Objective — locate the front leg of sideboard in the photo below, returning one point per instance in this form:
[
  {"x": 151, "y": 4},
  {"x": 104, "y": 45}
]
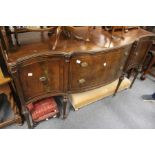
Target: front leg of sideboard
[
  {"x": 65, "y": 103},
  {"x": 138, "y": 70},
  {"x": 119, "y": 83},
  {"x": 27, "y": 117}
]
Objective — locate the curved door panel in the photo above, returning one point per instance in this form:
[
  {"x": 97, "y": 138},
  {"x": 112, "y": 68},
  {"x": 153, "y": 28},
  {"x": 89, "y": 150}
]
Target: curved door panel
[
  {"x": 40, "y": 76},
  {"x": 92, "y": 70}
]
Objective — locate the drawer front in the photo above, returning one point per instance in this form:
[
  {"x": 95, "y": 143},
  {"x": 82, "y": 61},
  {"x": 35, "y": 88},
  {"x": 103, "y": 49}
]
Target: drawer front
[
  {"x": 138, "y": 53},
  {"x": 88, "y": 71},
  {"x": 41, "y": 76}
]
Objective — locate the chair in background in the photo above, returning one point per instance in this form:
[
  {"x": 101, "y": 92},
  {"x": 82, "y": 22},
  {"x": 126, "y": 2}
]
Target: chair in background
[
  {"x": 67, "y": 31},
  {"x": 7, "y": 96}
]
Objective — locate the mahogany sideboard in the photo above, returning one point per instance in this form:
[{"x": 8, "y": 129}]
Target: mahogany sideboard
[{"x": 74, "y": 66}]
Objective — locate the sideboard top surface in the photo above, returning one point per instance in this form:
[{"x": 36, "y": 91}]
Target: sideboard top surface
[{"x": 100, "y": 40}]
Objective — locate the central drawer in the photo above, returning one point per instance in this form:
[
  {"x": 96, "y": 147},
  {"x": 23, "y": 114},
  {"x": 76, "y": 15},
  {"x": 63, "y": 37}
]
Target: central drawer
[{"x": 92, "y": 70}]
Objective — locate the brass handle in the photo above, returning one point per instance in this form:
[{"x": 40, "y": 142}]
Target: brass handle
[
  {"x": 84, "y": 64},
  {"x": 104, "y": 64},
  {"x": 126, "y": 53},
  {"x": 81, "y": 81},
  {"x": 42, "y": 79}
]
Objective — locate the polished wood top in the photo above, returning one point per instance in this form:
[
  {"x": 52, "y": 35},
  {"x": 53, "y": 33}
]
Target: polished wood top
[{"x": 38, "y": 42}]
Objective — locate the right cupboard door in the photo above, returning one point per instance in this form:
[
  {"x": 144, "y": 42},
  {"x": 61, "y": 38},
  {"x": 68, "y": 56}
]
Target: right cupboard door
[{"x": 88, "y": 71}]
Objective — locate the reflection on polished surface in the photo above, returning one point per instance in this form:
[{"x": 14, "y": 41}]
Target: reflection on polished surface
[{"x": 100, "y": 39}]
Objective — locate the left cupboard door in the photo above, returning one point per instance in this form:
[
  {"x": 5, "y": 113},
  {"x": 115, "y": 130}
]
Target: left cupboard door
[{"x": 39, "y": 76}]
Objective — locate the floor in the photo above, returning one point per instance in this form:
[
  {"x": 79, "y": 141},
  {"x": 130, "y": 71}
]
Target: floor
[{"x": 124, "y": 111}]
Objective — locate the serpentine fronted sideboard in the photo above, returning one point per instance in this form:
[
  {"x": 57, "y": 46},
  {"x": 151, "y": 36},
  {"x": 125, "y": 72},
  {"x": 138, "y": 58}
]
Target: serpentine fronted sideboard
[{"x": 75, "y": 66}]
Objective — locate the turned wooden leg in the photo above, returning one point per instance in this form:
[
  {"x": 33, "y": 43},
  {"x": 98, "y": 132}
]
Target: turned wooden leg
[
  {"x": 26, "y": 114},
  {"x": 135, "y": 76},
  {"x": 8, "y": 38},
  {"x": 16, "y": 35},
  {"x": 112, "y": 33},
  {"x": 119, "y": 83},
  {"x": 88, "y": 33},
  {"x": 65, "y": 101},
  {"x": 122, "y": 33},
  {"x": 58, "y": 32}
]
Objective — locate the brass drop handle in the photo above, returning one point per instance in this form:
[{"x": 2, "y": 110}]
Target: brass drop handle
[
  {"x": 84, "y": 64},
  {"x": 81, "y": 81},
  {"x": 42, "y": 79}
]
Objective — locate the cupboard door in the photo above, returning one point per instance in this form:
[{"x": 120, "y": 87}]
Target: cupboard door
[
  {"x": 39, "y": 76},
  {"x": 92, "y": 70}
]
